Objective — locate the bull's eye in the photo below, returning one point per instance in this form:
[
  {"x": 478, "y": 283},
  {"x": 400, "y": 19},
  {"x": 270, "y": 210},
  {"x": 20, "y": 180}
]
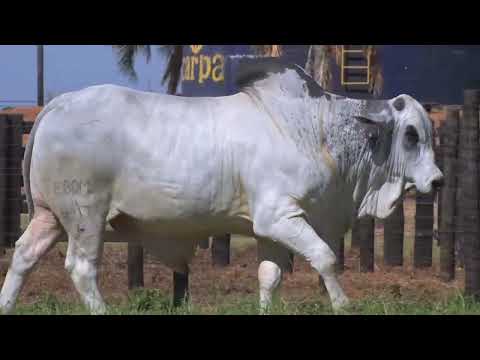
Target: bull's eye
[{"x": 411, "y": 135}]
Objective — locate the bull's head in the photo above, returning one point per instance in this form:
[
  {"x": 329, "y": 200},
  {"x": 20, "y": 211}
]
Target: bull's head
[{"x": 401, "y": 155}]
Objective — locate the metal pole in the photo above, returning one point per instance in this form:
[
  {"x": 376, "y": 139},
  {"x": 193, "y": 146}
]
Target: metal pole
[{"x": 40, "y": 78}]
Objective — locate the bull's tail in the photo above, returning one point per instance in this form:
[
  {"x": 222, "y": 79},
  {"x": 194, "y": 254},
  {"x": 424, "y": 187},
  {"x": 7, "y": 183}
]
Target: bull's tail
[{"x": 27, "y": 159}]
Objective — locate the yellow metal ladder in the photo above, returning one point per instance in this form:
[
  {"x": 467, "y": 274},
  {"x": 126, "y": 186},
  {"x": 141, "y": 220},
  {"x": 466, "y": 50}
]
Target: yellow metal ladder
[{"x": 345, "y": 67}]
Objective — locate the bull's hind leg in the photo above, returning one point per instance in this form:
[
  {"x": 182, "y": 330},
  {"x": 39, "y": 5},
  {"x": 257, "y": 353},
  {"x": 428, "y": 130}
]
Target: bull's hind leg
[
  {"x": 85, "y": 247},
  {"x": 41, "y": 234}
]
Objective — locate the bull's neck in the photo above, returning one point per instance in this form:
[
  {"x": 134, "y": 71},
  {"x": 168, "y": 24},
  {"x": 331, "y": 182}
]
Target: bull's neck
[
  {"x": 325, "y": 130},
  {"x": 296, "y": 118},
  {"x": 348, "y": 142}
]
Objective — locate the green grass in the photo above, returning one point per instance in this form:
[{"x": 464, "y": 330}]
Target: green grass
[{"x": 153, "y": 302}]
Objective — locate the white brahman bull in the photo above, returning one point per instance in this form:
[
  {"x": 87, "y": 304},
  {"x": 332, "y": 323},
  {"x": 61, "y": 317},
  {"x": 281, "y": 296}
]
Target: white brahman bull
[{"x": 281, "y": 160}]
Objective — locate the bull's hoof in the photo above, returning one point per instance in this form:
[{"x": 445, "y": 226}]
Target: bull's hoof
[
  {"x": 264, "y": 309},
  {"x": 340, "y": 304},
  {"x": 99, "y": 308},
  {"x": 6, "y": 309},
  {"x": 102, "y": 311}
]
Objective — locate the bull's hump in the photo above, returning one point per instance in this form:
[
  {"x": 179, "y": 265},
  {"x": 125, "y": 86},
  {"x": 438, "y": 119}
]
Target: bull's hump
[{"x": 249, "y": 74}]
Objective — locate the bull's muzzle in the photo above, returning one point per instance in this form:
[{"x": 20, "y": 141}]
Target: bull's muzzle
[{"x": 437, "y": 183}]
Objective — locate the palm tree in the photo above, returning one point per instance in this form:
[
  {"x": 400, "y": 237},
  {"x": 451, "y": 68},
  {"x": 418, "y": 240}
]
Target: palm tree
[{"x": 126, "y": 61}]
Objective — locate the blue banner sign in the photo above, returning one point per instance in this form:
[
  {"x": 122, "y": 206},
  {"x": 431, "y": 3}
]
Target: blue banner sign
[{"x": 430, "y": 73}]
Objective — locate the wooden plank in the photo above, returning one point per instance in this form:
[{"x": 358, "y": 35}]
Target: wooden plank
[
  {"x": 449, "y": 142},
  {"x": 289, "y": 268},
  {"x": 14, "y": 179},
  {"x": 221, "y": 250},
  {"x": 423, "y": 247},
  {"x": 339, "y": 250},
  {"x": 366, "y": 231},
  {"x": 180, "y": 288},
  {"x": 467, "y": 223},
  {"x": 355, "y": 242},
  {"x": 135, "y": 266},
  {"x": 394, "y": 237},
  {"x": 204, "y": 243}
]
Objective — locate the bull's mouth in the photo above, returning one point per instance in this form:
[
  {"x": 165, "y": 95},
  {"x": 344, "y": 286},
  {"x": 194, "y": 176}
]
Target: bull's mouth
[{"x": 407, "y": 188}]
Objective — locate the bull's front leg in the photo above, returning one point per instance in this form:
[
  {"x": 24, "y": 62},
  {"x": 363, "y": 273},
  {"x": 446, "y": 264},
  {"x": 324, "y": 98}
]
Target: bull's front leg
[{"x": 286, "y": 224}]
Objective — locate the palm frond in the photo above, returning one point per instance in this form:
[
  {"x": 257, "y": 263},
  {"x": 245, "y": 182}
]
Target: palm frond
[
  {"x": 126, "y": 55},
  {"x": 268, "y": 50},
  {"x": 173, "y": 71}
]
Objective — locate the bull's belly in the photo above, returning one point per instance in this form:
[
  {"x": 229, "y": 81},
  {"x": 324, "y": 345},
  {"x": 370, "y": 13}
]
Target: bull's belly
[
  {"x": 179, "y": 210},
  {"x": 173, "y": 242},
  {"x": 195, "y": 228}
]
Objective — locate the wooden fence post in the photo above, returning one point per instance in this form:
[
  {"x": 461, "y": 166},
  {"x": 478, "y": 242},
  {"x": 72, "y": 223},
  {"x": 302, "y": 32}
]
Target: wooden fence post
[
  {"x": 14, "y": 176},
  {"x": 355, "y": 237},
  {"x": 221, "y": 250},
  {"x": 393, "y": 237},
  {"x": 438, "y": 149},
  {"x": 180, "y": 288},
  {"x": 468, "y": 192},
  {"x": 449, "y": 143},
  {"x": 204, "y": 243},
  {"x": 366, "y": 232},
  {"x": 339, "y": 250},
  {"x": 289, "y": 268},
  {"x": 423, "y": 248},
  {"x": 135, "y": 266}
]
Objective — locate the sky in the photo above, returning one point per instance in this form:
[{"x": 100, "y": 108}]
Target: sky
[{"x": 68, "y": 68}]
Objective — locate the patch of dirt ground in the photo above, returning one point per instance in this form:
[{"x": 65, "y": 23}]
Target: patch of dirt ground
[{"x": 209, "y": 285}]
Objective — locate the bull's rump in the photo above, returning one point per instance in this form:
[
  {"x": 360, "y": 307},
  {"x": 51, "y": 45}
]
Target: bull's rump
[{"x": 158, "y": 158}]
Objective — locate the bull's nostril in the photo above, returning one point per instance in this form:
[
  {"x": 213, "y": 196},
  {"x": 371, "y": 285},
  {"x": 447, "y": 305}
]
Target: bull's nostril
[{"x": 437, "y": 183}]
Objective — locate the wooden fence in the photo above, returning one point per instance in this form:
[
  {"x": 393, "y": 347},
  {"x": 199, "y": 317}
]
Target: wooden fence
[{"x": 457, "y": 154}]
